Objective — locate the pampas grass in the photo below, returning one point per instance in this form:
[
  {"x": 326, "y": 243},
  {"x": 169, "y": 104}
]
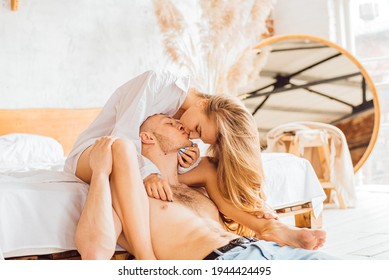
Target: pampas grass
[{"x": 218, "y": 51}]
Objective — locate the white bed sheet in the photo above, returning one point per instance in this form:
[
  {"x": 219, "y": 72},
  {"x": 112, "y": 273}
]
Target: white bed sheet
[{"x": 39, "y": 209}]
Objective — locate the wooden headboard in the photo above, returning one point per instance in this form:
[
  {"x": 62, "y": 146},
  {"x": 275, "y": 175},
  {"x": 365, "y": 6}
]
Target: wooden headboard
[{"x": 64, "y": 125}]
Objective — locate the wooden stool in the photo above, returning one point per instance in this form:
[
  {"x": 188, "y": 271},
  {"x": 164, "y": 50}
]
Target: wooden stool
[
  {"x": 303, "y": 215},
  {"x": 323, "y": 151}
]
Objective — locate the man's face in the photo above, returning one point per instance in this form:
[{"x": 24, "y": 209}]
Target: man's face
[{"x": 169, "y": 133}]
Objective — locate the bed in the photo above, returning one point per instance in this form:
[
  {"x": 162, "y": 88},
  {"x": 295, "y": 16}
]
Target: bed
[{"x": 40, "y": 205}]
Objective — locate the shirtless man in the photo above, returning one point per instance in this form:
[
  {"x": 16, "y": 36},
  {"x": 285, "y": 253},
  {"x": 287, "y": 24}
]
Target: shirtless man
[{"x": 190, "y": 228}]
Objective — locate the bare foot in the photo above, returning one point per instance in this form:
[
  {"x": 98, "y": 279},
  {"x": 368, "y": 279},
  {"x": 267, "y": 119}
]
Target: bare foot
[{"x": 276, "y": 231}]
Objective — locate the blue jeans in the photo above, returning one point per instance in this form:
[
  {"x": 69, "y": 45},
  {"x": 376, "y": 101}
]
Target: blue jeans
[{"x": 264, "y": 250}]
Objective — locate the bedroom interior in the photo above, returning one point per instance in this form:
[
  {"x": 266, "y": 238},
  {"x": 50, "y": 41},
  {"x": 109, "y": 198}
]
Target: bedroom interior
[
  {"x": 308, "y": 79},
  {"x": 300, "y": 62}
]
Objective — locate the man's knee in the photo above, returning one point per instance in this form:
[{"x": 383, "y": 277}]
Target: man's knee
[{"x": 123, "y": 147}]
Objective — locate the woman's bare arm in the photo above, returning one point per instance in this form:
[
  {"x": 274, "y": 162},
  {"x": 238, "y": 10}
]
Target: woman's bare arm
[{"x": 205, "y": 175}]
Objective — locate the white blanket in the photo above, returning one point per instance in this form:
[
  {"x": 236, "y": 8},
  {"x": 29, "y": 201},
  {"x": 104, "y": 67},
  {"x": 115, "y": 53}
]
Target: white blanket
[{"x": 39, "y": 209}]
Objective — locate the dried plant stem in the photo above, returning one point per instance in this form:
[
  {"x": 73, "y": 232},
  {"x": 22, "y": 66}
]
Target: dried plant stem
[{"x": 220, "y": 55}]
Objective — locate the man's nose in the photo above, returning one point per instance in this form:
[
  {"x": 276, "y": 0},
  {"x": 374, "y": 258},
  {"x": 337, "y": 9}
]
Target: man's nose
[{"x": 180, "y": 126}]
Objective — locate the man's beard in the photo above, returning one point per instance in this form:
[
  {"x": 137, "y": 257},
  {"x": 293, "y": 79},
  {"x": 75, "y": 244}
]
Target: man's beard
[{"x": 168, "y": 145}]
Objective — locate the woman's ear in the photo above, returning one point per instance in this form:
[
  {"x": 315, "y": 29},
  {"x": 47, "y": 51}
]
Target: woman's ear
[{"x": 147, "y": 138}]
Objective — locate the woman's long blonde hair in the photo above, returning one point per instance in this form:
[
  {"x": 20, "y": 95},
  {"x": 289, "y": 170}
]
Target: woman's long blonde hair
[{"x": 237, "y": 153}]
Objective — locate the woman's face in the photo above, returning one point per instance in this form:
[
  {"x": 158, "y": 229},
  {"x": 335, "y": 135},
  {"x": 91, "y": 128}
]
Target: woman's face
[{"x": 198, "y": 125}]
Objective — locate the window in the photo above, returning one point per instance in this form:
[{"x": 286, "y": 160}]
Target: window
[{"x": 366, "y": 33}]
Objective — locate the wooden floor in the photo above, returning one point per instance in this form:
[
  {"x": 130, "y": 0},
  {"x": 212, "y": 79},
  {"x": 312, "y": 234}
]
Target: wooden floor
[{"x": 362, "y": 232}]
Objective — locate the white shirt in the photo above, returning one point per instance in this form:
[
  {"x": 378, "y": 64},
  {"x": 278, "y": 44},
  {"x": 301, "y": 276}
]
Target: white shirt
[{"x": 145, "y": 95}]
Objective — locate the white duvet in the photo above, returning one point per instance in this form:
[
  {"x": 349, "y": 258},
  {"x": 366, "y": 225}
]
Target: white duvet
[{"x": 39, "y": 209}]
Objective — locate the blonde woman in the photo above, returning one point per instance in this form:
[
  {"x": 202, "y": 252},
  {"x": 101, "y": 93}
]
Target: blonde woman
[
  {"x": 235, "y": 158},
  {"x": 220, "y": 121},
  {"x": 233, "y": 174}
]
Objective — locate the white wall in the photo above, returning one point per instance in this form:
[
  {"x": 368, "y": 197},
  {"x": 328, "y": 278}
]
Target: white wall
[
  {"x": 73, "y": 53},
  {"x": 311, "y": 17}
]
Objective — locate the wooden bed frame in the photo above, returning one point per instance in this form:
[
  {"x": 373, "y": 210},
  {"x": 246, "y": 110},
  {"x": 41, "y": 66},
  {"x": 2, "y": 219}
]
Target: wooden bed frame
[{"x": 65, "y": 125}]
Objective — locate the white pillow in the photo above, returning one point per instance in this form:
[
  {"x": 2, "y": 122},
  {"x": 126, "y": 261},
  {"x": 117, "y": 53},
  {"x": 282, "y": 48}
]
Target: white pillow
[{"x": 21, "y": 150}]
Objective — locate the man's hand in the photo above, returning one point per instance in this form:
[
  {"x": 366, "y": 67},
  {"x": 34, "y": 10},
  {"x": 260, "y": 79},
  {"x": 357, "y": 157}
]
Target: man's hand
[
  {"x": 158, "y": 188},
  {"x": 188, "y": 156},
  {"x": 100, "y": 159}
]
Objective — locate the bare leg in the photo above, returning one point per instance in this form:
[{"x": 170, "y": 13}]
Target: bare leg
[
  {"x": 99, "y": 226},
  {"x": 266, "y": 229},
  {"x": 95, "y": 236},
  {"x": 274, "y": 230},
  {"x": 129, "y": 198}
]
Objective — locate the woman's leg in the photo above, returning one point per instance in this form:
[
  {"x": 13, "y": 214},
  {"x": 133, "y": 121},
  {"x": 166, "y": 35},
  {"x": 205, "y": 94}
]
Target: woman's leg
[{"x": 129, "y": 198}]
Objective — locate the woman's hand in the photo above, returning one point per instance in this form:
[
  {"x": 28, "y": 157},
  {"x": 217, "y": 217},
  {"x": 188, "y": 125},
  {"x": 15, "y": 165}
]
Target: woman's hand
[
  {"x": 266, "y": 213},
  {"x": 188, "y": 156},
  {"x": 100, "y": 159},
  {"x": 158, "y": 188}
]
